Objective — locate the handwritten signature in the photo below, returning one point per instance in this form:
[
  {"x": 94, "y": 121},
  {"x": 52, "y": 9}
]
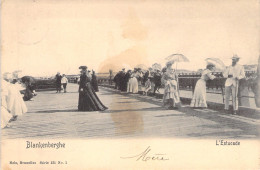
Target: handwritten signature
[{"x": 146, "y": 156}]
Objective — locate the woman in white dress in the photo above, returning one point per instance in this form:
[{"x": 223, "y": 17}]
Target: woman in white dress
[
  {"x": 129, "y": 83},
  {"x": 199, "y": 96},
  {"x": 133, "y": 83},
  {"x": 15, "y": 102},
  {"x": 5, "y": 115},
  {"x": 171, "y": 95}
]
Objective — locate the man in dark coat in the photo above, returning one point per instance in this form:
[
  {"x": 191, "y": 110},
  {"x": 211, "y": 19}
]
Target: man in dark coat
[
  {"x": 146, "y": 75},
  {"x": 122, "y": 80},
  {"x": 157, "y": 81},
  {"x": 94, "y": 82},
  {"x": 58, "y": 82},
  {"x": 126, "y": 79},
  {"x": 116, "y": 80}
]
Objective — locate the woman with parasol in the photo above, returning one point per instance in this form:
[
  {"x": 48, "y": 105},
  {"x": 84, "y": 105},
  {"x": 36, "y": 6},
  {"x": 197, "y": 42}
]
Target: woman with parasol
[
  {"x": 171, "y": 95},
  {"x": 88, "y": 99},
  {"x": 199, "y": 95},
  {"x": 177, "y": 58}
]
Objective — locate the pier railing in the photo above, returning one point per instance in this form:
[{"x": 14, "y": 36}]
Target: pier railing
[
  {"x": 216, "y": 86},
  {"x": 189, "y": 80}
]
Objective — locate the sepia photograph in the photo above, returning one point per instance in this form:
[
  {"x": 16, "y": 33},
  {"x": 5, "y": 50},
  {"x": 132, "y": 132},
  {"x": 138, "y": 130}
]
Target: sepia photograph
[{"x": 130, "y": 84}]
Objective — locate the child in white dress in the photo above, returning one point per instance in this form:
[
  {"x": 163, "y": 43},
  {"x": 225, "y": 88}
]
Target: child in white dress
[{"x": 148, "y": 86}]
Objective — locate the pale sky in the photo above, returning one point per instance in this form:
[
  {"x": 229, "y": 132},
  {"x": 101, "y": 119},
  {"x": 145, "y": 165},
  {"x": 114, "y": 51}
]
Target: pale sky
[{"x": 42, "y": 37}]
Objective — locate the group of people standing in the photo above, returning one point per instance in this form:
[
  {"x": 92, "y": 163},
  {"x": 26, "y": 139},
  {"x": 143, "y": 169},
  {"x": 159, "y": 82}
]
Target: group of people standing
[
  {"x": 130, "y": 80},
  {"x": 233, "y": 74},
  {"x": 12, "y": 102},
  {"x": 61, "y": 82}
]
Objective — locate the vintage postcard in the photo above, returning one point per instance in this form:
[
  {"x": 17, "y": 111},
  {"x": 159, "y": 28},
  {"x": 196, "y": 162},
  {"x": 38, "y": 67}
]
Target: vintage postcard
[{"x": 134, "y": 84}]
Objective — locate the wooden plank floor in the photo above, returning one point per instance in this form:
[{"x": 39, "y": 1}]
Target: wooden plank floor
[{"x": 55, "y": 116}]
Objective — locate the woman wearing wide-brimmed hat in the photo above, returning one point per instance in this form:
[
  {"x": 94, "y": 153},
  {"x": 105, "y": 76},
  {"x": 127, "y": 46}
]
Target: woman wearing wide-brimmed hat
[
  {"x": 199, "y": 95},
  {"x": 88, "y": 99},
  {"x": 171, "y": 95}
]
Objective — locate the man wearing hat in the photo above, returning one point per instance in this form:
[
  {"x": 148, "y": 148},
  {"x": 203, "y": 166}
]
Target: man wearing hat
[
  {"x": 233, "y": 73},
  {"x": 122, "y": 80},
  {"x": 157, "y": 81},
  {"x": 58, "y": 78},
  {"x": 116, "y": 80}
]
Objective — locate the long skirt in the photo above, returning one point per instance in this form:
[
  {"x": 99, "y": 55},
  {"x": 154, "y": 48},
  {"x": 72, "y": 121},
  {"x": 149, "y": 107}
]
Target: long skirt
[
  {"x": 15, "y": 102},
  {"x": 171, "y": 92},
  {"x": 199, "y": 96},
  {"x": 133, "y": 85},
  {"x": 5, "y": 117},
  {"x": 89, "y": 101},
  {"x": 95, "y": 85}
]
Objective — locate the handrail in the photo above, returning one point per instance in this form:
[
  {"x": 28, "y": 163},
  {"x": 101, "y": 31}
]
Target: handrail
[{"x": 188, "y": 83}]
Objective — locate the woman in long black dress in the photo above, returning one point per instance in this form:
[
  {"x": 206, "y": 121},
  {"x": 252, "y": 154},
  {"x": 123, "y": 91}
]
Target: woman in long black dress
[{"x": 88, "y": 100}]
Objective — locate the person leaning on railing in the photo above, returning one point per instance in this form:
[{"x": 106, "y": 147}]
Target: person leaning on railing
[{"x": 199, "y": 96}]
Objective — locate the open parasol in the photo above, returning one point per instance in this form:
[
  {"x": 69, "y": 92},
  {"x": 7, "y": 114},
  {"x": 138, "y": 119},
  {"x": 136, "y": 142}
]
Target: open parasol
[
  {"x": 177, "y": 58},
  {"x": 217, "y": 62}
]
